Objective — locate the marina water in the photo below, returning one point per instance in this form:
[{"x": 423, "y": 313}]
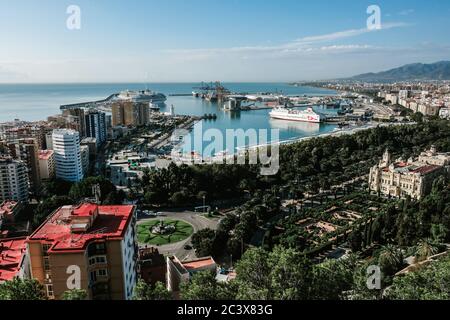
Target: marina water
[{"x": 37, "y": 101}]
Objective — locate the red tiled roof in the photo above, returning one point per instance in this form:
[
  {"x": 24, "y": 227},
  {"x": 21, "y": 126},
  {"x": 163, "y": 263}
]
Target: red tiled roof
[
  {"x": 85, "y": 210},
  {"x": 111, "y": 223},
  {"x": 7, "y": 208},
  {"x": 45, "y": 154},
  {"x": 199, "y": 263},
  {"x": 11, "y": 253},
  {"x": 426, "y": 169}
]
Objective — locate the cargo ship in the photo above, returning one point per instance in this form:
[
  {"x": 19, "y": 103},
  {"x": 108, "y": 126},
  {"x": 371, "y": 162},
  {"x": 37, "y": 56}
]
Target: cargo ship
[{"x": 308, "y": 115}]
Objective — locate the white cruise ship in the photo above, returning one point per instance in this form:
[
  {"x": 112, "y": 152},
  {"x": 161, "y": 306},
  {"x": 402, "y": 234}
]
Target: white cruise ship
[
  {"x": 154, "y": 98},
  {"x": 308, "y": 115}
]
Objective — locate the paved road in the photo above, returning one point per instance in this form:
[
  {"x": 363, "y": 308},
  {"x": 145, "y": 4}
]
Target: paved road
[{"x": 197, "y": 221}]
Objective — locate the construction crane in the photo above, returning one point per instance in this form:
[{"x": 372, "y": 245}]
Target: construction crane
[{"x": 213, "y": 91}]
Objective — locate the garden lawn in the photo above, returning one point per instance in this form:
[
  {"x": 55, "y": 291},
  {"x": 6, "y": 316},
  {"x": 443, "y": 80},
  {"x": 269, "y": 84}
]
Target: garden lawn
[{"x": 183, "y": 230}]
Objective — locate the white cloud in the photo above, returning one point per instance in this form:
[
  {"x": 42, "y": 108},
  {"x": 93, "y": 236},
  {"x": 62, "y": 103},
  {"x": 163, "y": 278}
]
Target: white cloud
[
  {"x": 302, "y": 45},
  {"x": 406, "y": 12}
]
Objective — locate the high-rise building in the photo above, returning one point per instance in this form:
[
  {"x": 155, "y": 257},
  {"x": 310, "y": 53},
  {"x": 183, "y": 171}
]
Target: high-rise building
[
  {"x": 95, "y": 125},
  {"x": 127, "y": 113},
  {"x": 13, "y": 180},
  {"x": 85, "y": 159},
  {"x": 95, "y": 243},
  {"x": 13, "y": 134},
  {"x": 49, "y": 141},
  {"x": 27, "y": 150},
  {"x": 46, "y": 164},
  {"x": 66, "y": 147},
  {"x": 117, "y": 111},
  {"x": 76, "y": 119}
]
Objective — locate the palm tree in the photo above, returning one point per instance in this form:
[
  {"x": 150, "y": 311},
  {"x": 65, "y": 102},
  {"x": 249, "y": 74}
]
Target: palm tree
[
  {"x": 390, "y": 259},
  {"x": 425, "y": 249}
]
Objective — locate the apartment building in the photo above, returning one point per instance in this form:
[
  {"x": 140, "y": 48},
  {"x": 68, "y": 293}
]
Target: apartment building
[
  {"x": 67, "y": 153},
  {"x": 13, "y": 180},
  {"x": 8, "y": 211},
  {"x": 75, "y": 119},
  {"x": 46, "y": 164},
  {"x": 28, "y": 131},
  {"x": 84, "y": 150},
  {"x": 27, "y": 150},
  {"x": 129, "y": 113},
  {"x": 92, "y": 245},
  {"x": 95, "y": 126}
]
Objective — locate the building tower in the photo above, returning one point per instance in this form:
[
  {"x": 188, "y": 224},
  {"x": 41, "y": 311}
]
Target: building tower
[
  {"x": 27, "y": 150},
  {"x": 13, "y": 180},
  {"x": 95, "y": 125},
  {"x": 67, "y": 153}
]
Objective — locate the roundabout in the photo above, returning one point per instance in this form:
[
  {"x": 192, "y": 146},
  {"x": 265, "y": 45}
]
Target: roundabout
[{"x": 162, "y": 232}]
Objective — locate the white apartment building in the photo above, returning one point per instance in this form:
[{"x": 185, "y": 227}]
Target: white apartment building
[
  {"x": 67, "y": 152},
  {"x": 13, "y": 180}
]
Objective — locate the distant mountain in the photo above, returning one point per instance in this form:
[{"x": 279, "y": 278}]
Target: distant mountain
[{"x": 416, "y": 71}]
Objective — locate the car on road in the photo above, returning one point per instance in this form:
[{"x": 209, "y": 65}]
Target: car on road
[{"x": 159, "y": 214}]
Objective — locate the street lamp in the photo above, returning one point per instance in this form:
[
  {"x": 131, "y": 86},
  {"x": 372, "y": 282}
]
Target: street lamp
[{"x": 204, "y": 204}]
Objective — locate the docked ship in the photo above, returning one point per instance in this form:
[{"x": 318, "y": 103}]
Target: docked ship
[
  {"x": 153, "y": 98},
  {"x": 308, "y": 115}
]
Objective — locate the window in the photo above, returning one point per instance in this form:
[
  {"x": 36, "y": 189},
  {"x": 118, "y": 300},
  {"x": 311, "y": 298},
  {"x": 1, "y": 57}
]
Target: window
[
  {"x": 46, "y": 264},
  {"x": 97, "y": 260},
  {"x": 49, "y": 288},
  {"x": 102, "y": 273},
  {"x": 93, "y": 276},
  {"x": 45, "y": 248},
  {"x": 100, "y": 259}
]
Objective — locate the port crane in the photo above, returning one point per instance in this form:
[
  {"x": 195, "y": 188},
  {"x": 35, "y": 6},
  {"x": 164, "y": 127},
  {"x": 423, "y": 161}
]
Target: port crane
[{"x": 213, "y": 91}]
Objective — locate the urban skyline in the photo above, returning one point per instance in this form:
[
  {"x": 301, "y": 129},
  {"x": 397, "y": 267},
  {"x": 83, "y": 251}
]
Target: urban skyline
[{"x": 281, "y": 166}]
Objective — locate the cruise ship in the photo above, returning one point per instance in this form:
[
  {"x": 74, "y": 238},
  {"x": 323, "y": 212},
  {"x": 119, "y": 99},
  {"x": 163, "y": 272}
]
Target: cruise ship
[
  {"x": 154, "y": 98},
  {"x": 308, "y": 115}
]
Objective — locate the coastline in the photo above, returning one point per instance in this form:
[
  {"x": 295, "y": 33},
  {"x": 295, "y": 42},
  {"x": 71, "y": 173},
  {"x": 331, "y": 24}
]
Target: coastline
[{"x": 222, "y": 156}]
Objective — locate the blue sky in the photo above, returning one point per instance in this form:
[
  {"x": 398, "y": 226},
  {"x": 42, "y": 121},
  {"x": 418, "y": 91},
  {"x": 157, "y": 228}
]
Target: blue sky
[{"x": 228, "y": 40}]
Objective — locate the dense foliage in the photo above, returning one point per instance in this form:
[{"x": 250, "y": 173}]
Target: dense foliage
[
  {"x": 75, "y": 294},
  {"x": 309, "y": 165},
  {"x": 19, "y": 289},
  {"x": 144, "y": 291}
]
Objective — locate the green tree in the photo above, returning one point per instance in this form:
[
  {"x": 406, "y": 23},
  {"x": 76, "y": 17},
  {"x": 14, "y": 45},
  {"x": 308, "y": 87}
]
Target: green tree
[
  {"x": 203, "y": 242},
  {"x": 429, "y": 283},
  {"x": 144, "y": 291},
  {"x": 22, "y": 289},
  {"x": 75, "y": 294},
  {"x": 280, "y": 274},
  {"x": 390, "y": 259},
  {"x": 426, "y": 248},
  {"x": 204, "y": 286}
]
